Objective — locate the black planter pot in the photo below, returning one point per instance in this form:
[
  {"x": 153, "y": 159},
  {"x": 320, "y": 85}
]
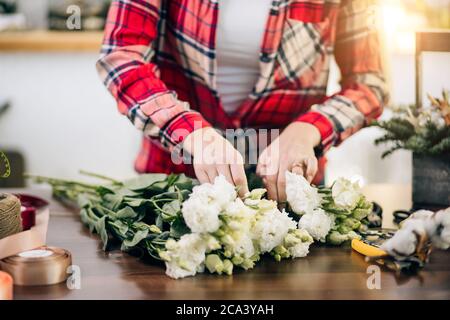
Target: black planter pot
[{"x": 431, "y": 180}]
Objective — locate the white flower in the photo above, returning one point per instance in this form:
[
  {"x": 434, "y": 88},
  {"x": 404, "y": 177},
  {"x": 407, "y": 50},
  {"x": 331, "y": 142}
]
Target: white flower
[
  {"x": 270, "y": 228},
  {"x": 302, "y": 197},
  {"x": 300, "y": 250},
  {"x": 223, "y": 192},
  {"x": 318, "y": 223},
  {"x": 345, "y": 193},
  {"x": 237, "y": 208},
  {"x": 243, "y": 246},
  {"x": 201, "y": 214},
  {"x": 185, "y": 257},
  {"x": 206, "y": 202}
]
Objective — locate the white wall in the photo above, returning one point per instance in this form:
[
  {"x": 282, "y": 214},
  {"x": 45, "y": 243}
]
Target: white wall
[{"x": 64, "y": 120}]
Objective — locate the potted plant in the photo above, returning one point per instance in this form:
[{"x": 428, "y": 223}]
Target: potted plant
[{"x": 426, "y": 132}]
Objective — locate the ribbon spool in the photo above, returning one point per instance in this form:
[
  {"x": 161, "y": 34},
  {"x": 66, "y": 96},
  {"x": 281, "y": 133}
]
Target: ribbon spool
[
  {"x": 41, "y": 266},
  {"x": 10, "y": 211}
]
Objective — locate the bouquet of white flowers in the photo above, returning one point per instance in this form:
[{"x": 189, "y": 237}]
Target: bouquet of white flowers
[
  {"x": 192, "y": 228},
  {"x": 332, "y": 215},
  {"x": 226, "y": 231}
]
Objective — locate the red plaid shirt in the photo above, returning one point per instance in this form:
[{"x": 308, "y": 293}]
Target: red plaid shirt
[{"x": 158, "y": 60}]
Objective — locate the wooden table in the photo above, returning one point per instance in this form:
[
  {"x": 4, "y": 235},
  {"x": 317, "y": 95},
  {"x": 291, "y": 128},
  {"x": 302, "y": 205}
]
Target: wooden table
[{"x": 327, "y": 273}]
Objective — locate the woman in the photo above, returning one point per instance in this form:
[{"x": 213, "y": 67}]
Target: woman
[{"x": 180, "y": 68}]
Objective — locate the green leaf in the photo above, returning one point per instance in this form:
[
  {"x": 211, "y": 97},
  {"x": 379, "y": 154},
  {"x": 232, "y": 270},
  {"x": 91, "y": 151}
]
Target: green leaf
[
  {"x": 139, "y": 235},
  {"x": 172, "y": 208},
  {"x": 100, "y": 227},
  {"x": 112, "y": 201},
  {"x": 184, "y": 183},
  {"x": 159, "y": 222},
  {"x": 83, "y": 200},
  {"x": 125, "y": 213},
  {"x": 120, "y": 227},
  {"x": 178, "y": 228},
  {"x": 144, "y": 181}
]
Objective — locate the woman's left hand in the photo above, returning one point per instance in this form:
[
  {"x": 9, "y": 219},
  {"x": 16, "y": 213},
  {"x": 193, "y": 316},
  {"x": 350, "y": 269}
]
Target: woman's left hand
[{"x": 292, "y": 150}]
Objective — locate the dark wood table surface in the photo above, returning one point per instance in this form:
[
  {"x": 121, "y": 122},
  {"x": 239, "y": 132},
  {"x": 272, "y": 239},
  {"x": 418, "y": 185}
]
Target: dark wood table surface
[{"x": 326, "y": 273}]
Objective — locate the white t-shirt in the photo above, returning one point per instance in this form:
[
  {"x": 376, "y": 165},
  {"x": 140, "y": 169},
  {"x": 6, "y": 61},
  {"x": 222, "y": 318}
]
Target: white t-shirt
[{"x": 240, "y": 31}]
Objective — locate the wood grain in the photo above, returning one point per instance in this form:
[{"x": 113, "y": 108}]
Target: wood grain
[
  {"x": 49, "y": 41},
  {"x": 327, "y": 273}
]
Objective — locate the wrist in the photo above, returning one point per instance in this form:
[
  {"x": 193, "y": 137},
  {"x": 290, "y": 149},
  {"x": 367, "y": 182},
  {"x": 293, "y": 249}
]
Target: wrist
[
  {"x": 306, "y": 133},
  {"x": 198, "y": 139}
]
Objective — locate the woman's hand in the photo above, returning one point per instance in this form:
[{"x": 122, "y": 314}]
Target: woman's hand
[
  {"x": 214, "y": 155},
  {"x": 293, "y": 150}
]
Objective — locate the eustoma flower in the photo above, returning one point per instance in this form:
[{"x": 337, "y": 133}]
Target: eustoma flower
[
  {"x": 185, "y": 257},
  {"x": 302, "y": 197},
  {"x": 346, "y": 194},
  {"x": 318, "y": 223},
  {"x": 227, "y": 231},
  {"x": 333, "y": 215}
]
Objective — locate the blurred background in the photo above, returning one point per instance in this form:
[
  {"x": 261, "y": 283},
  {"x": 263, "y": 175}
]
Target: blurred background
[{"x": 58, "y": 118}]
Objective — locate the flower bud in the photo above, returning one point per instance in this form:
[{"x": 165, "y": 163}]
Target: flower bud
[
  {"x": 237, "y": 260},
  {"x": 164, "y": 255},
  {"x": 336, "y": 238},
  {"x": 227, "y": 267},
  {"x": 214, "y": 263},
  {"x": 256, "y": 194},
  {"x": 212, "y": 244},
  {"x": 171, "y": 244},
  {"x": 227, "y": 240},
  {"x": 247, "y": 264},
  {"x": 154, "y": 229},
  {"x": 291, "y": 240}
]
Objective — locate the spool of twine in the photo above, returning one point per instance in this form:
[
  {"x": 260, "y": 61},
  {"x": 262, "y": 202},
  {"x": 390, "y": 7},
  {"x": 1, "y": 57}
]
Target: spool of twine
[{"x": 10, "y": 221}]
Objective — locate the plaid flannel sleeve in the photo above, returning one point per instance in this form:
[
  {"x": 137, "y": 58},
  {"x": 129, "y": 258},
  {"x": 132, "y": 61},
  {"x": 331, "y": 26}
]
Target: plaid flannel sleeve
[
  {"x": 363, "y": 88},
  {"x": 125, "y": 68}
]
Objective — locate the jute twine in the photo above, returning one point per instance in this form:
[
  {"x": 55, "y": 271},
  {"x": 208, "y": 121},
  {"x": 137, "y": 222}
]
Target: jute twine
[{"x": 10, "y": 220}]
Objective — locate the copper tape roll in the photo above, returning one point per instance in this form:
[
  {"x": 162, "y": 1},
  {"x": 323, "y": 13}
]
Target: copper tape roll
[{"x": 41, "y": 266}]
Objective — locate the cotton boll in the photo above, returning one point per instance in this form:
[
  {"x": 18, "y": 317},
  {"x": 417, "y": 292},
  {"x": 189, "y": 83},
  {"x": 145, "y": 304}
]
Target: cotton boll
[
  {"x": 402, "y": 244},
  {"x": 441, "y": 239},
  {"x": 318, "y": 224},
  {"x": 301, "y": 196},
  {"x": 346, "y": 194}
]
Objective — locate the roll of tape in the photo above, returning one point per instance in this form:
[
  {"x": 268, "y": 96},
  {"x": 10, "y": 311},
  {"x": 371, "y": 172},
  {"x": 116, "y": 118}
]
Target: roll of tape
[
  {"x": 41, "y": 266},
  {"x": 6, "y": 286}
]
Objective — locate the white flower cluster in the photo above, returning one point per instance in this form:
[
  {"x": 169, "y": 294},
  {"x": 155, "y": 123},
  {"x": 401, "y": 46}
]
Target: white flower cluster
[
  {"x": 227, "y": 231},
  {"x": 422, "y": 224},
  {"x": 330, "y": 215}
]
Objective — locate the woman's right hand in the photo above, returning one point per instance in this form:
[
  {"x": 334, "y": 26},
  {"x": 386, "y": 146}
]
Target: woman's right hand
[{"x": 214, "y": 155}]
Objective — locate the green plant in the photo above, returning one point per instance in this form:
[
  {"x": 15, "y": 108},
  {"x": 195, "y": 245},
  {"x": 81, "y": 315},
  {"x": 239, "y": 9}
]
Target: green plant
[{"x": 423, "y": 130}]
